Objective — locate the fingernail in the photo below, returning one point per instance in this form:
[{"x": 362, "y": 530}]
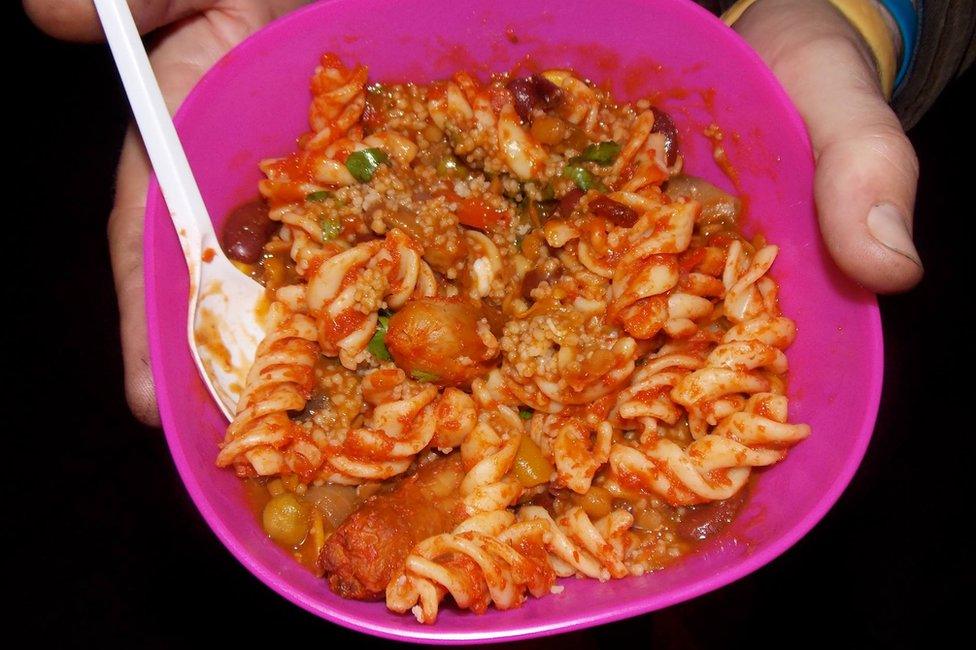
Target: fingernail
[{"x": 888, "y": 225}]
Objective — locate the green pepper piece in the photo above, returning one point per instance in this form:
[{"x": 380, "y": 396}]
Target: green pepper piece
[
  {"x": 583, "y": 178},
  {"x": 330, "y": 229},
  {"x": 363, "y": 164},
  {"x": 377, "y": 344},
  {"x": 318, "y": 197},
  {"x": 423, "y": 375},
  {"x": 603, "y": 154}
]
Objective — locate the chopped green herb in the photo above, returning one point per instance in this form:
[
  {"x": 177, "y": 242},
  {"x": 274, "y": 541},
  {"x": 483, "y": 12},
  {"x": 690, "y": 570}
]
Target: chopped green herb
[
  {"x": 330, "y": 229},
  {"x": 525, "y": 412},
  {"x": 364, "y": 163},
  {"x": 377, "y": 345},
  {"x": 583, "y": 178},
  {"x": 603, "y": 154},
  {"x": 423, "y": 375},
  {"x": 319, "y": 196}
]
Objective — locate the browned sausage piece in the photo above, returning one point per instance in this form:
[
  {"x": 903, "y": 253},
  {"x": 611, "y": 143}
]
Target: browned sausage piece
[{"x": 361, "y": 556}]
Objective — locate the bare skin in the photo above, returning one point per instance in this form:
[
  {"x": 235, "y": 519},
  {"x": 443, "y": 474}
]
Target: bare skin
[{"x": 866, "y": 169}]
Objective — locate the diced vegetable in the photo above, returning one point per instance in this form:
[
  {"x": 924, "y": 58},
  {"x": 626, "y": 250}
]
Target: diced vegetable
[
  {"x": 318, "y": 197},
  {"x": 583, "y": 178},
  {"x": 330, "y": 229},
  {"x": 525, "y": 413},
  {"x": 603, "y": 154},
  {"x": 423, "y": 375},
  {"x": 475, "y": 213},
  {"x": 364, "y": 163},
  {"x": 597, "y": 502},
  {"x": 377, "y": 345},
  {"x": 531, "y": 466},
  {"x": 285, "y": 519}
]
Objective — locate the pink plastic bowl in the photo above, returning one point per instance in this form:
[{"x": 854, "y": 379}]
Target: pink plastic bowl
[{"x": 254, "y": 103}]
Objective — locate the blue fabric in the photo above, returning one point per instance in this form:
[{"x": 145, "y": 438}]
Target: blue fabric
[{"x": 908, "y": 17}]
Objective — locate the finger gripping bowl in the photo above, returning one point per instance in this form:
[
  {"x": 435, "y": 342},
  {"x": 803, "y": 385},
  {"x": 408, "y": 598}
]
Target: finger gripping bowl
[{"x": 254, "y": 103}]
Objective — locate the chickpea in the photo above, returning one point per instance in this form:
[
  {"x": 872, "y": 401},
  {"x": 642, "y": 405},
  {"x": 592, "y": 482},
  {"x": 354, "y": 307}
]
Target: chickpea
[
  {"x": 548, "y": 129},
  {"x": 437, "y": 338},
  {"x": 286, "y": 519}
]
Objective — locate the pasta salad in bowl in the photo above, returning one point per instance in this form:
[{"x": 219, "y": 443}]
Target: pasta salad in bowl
[{"x": 542, "y": 304}]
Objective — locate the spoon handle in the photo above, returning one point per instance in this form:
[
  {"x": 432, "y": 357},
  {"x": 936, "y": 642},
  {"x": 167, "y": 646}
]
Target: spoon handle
[{"x": 168, "y": 159}]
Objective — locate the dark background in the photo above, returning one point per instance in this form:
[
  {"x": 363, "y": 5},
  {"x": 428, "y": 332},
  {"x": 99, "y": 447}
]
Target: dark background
[{"x": 117, "y": 553}]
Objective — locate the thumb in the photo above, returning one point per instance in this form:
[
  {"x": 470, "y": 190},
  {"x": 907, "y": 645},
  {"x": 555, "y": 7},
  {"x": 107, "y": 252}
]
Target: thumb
[
  {"x": 125, "y": 226},
  {"x": 866, "y": 169}
]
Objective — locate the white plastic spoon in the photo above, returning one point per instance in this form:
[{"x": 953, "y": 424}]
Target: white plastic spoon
[{"x": 223, "y": 320}]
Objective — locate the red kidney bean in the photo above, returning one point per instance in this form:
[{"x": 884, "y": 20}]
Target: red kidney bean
[
  {"x": 246, "y": 230},
  {"x": 618, "y": 213},
  {"x": 374, "y": 109},
  {"x": 533, "y": 92},
  {"x": 568, "y": 203},
  {"x": 664, "y": 124},
  {"x": 709, "y": 519}
]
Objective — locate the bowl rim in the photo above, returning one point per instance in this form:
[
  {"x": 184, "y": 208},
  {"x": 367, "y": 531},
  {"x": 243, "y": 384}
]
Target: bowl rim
[{"x": 430, "y": 634}]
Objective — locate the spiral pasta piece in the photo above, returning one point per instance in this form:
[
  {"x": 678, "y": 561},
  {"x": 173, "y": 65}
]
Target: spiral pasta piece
[
  {"x": 280, "y": 381},
  {"x": 576, "y": 445},
  {"x": 643, "y": 155},
  {"x": 717, "y": 465},
  {"x": 495, "y": 558},
  {"x": 338, "y": 101},
  {"x": 347, "y": 291},
  {"x": 649, "y": 268},
  {"x": 488, "y": 453},
  {"x": 496, "y": 138},
  {"x": 748, "y": 432},
  {"x": 303, "y": 229},
  {"x": 647, "y": 399},
  {"x": 397, "y": 431}
]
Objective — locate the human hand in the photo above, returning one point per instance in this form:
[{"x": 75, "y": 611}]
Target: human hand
[
  {"x": 190, "y": 36},
  {"x": 866, "y": 169}
]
